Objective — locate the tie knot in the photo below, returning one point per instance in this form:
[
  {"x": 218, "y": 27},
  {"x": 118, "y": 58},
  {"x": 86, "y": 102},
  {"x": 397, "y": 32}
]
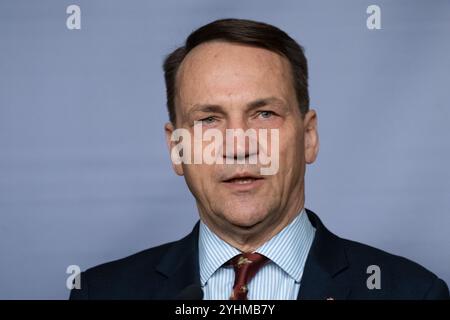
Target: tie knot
[
  {"x": 245, "y": 265},
  {"x": 248, "y": 261}
]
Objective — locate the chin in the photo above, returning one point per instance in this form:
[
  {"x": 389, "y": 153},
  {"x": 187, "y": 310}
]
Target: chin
[{"x": 245, "y": 217}]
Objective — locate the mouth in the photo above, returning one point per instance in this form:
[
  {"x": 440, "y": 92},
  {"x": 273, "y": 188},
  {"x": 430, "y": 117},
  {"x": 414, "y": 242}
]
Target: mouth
[{"x": 243, "y": 182}]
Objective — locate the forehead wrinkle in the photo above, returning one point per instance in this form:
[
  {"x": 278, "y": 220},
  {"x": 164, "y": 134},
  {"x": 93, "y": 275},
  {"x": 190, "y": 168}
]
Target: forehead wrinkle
[
  {"x": 213, "y": 56},
  {"x": 267, "y": 66}
]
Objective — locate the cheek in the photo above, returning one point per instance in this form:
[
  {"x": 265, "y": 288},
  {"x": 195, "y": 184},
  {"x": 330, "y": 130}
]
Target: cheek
[
  {"x": 291, "y": 146},
  {"x": 199, "y": 178},
  {"x": 292, "y": 157}
]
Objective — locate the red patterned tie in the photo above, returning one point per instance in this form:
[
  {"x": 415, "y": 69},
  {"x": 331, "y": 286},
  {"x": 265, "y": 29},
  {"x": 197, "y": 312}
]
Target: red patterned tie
[{"x": 245, "y": 265}]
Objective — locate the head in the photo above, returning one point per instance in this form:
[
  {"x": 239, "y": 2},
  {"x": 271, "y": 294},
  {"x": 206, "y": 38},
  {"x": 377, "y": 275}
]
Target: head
[{"x": 241, "y": 74}]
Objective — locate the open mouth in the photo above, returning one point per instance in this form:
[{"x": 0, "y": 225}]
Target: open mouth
[{"x": 242, "y": 180}]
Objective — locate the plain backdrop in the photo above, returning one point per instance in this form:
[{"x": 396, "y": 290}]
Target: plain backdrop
[{"x": 85, "y": 175}]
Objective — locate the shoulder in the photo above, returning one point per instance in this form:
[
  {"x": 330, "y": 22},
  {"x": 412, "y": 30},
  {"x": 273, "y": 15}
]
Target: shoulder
[
  {"x": 371, "y": 273},
  {"x": 399, "y": 277},
  {"x": 132, "y": 277},
  {"x": 131, "y": 265}
]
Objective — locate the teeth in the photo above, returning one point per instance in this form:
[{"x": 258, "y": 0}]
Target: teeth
[{"x": 243, "y": 180}]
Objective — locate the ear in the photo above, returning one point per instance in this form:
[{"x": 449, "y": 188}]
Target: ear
[
  {"x": 169, "y": 129},
  {"x": 311, "y": 136}
]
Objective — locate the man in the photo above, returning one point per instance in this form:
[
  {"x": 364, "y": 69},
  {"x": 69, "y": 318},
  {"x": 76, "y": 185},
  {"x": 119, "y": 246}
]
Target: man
[{"x": 255, "y": 239}]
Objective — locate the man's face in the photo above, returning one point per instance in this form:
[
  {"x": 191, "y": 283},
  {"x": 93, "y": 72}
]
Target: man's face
[{"x": 230, "y": 86}]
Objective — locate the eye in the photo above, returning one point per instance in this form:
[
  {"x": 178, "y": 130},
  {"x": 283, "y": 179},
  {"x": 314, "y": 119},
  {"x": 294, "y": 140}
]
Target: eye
[
  {"x": 266, "y": 114},
  {"x": 208, "y": 120}
]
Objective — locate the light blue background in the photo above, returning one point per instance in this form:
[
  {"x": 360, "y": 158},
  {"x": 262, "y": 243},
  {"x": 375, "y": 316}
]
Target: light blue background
[{"x": 85, "y": 176}]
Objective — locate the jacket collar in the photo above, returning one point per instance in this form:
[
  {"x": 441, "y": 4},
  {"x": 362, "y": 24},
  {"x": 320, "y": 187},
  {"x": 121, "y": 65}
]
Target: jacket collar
[
  {"x": 180, "y": 265},
  {"x": 324, "y": 276}
]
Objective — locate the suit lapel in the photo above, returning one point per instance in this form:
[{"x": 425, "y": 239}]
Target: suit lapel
[
  {"x": 180, "y": 265},
  {"x": 325, "y": 275}
]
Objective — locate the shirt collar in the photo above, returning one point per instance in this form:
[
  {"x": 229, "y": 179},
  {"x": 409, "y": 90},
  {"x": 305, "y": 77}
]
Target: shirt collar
[
  {"x": 288, "y": 249},
  {"x": 213, "y": 252}
]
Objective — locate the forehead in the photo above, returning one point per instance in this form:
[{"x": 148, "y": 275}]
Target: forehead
[{"x": 223, "y": 72}]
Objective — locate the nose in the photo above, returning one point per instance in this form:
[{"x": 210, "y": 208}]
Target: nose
[{"x": 240, "y": 143}]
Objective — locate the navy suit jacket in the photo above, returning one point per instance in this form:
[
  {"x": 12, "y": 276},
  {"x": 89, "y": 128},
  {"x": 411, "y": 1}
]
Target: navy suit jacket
[{"x": 335, "y": 268}]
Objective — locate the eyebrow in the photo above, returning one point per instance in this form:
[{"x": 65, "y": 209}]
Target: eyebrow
[
  {"x": 265, "y": 101},
  {"x": 215, "y": 108}
]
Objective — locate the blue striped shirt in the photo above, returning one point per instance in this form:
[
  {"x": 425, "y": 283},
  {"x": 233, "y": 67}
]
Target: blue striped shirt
[{"x": 278, "y": 280}]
